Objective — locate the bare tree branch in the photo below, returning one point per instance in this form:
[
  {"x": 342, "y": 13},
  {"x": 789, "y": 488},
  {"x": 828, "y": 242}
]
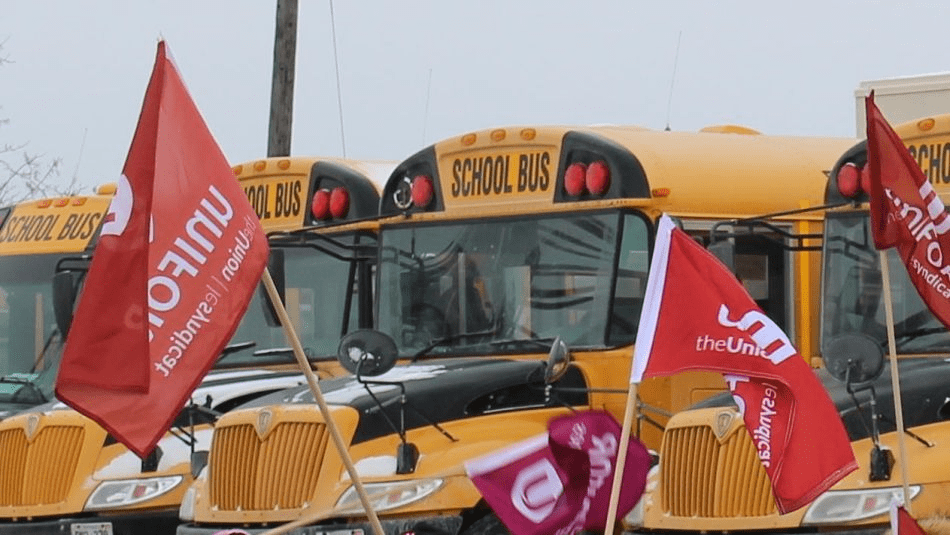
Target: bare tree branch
[{"x": 24, "y": 175}]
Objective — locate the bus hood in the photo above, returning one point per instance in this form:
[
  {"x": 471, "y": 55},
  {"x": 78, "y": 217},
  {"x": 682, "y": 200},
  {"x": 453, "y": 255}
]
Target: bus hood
[
  {"x": 925, "y": 396},
  {"x": 437, "y": 392}
]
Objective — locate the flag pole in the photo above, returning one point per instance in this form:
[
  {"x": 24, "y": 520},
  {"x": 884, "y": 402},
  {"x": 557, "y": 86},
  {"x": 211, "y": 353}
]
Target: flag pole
[
  {"x": 621, "y": 458},
  {"x": 318, "y": 395},
  {"x": 895, "y": 381}
]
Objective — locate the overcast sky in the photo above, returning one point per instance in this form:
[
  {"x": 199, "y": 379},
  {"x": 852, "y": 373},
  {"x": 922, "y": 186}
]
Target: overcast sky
[{"x": 413, "y": 71}]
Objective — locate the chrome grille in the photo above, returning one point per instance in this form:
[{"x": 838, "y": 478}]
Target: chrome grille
[
  {"x": 701, "y": 477},
  {"x": 278, "y": 472},
  {"x": 38, "y": 472}
]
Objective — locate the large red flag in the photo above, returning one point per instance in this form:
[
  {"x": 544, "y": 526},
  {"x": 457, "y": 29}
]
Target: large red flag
[
  {"x": 180, "y": 254},
  {"x": 907, "y": 213},
  {"x": 697, "y": 316},
  {"x": 558, "y": 483}
]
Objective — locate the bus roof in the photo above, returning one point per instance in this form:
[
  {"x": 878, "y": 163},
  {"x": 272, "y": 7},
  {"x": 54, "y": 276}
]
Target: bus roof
[
  {"x": 53, "y": 225},
  {"x": 928, "y": 141},
  {"x": 676, "y": 172},
  {"x": 282, "y": 189}
]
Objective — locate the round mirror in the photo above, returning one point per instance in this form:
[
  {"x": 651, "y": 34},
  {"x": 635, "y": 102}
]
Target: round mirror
[
  {"x": 558, "y": 359},
  {"x": 854, "y": 358},
  {"x": 366, "y": 352}
]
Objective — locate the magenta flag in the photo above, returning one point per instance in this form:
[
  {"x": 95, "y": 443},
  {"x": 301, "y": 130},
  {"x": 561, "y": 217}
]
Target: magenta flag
[{"x": 559, "y": 482}]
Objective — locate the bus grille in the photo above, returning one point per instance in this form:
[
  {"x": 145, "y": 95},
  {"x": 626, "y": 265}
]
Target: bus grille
[
  {"x": 38, "y": 472},
  {"x": 278, "y": 472},
  {"x": 701, "y": 477}
]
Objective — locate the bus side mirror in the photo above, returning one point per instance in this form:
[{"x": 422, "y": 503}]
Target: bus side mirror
[
  {"x": 725, "y": 251},
  {"x": 64, "y": 300},
  {"x": 275, "y": 265}
]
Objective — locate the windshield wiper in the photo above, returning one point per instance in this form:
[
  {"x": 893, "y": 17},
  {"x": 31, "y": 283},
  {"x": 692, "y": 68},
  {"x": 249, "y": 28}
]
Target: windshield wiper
[
  {"x": 449, "y": 339},
  {"x": 27, "y": 385},
  {"x": 902, "y": 338},
  {"x": 518, "y": 343},
  {"x": 289, "y": 351}
]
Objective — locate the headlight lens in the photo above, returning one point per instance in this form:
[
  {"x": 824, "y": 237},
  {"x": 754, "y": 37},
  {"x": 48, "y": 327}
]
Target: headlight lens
[
  {"x": 121, "y": 493},
  {"x": 390, "y": 495},
  {"x": 849, "y": 505}
]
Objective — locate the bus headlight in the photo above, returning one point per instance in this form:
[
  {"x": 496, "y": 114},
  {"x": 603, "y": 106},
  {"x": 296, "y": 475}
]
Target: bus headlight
[
  {"x": 849, "y": 505},
  {"x": 385, "y": 496},
  {"x": 125, "y": 492}
]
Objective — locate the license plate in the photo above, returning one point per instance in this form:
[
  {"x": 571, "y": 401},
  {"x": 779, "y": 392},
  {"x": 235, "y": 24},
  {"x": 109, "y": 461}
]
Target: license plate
[
  {"x": 97, "y": 528},
  {"x": 318, "y": 531}
]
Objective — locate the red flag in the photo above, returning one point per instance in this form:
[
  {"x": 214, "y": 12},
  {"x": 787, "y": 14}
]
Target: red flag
[
  {"x": 180, "y": 254},
  {"x": 559, "y": 482},
  {"x": 907, "y": 213},
  {"x": 697, "y": 316},
  {"x": 902, "y": 523}
]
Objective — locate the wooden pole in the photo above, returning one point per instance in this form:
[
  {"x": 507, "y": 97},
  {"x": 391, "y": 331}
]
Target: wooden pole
[
  {"x": 318, "y": 395},
  {"x": 621, "y": 458},
  {"x": 895, "y": 381},
  {"x": 282, "y": 81}
]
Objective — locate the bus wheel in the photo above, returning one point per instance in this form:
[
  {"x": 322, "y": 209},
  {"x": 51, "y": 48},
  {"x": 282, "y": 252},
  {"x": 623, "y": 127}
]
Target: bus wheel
[{"x": 487, "y": 525}]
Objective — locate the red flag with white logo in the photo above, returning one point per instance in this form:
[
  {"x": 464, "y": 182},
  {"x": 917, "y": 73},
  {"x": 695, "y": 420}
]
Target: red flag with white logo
[
  {"x": 907, "y": 213},
  {"x": 559, "y": 482},
  {"x": 698, "y": 316},
  {"x": 180, "y": 255}
]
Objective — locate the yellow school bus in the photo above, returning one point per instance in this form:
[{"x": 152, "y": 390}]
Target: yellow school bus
[
  {"x": 62, "y": 473},
  {"x": 35, "y": 236},
  {"x": 496, "y": 247},
  {"x": 734, "y": 496}
]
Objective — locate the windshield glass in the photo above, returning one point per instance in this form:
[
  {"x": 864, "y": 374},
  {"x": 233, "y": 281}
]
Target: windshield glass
[
  {"x": 316, "y": 297},
  {"x": 852, "y": 299},
  {"x": 29, "y": 341},
  {"x": 31, "y": 346},
  {"x": 472, "y": 287}
]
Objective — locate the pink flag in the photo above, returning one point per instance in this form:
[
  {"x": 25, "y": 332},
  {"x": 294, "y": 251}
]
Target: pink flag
[
  {"x": 697, "y": 316},
  {"x": 559, "y": 482},
  {"x": 180, "y": 255},
  {"x": 907, "y": 213}
]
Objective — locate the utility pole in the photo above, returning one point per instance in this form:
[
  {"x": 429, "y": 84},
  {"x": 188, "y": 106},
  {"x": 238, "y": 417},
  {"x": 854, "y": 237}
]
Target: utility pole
[{"x": 282, "y": 84}]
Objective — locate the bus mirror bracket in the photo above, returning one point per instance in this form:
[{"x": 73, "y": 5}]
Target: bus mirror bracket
[
  {"x": 64, "y": 299},
  {"x": 275, "y": 266},
  {"x": 725, "y": 251}
]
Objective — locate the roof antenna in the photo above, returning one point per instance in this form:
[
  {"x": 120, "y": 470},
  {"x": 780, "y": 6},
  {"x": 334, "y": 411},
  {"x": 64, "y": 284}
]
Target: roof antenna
[
  {"x": 669, "y": 100},
  {"x": 339, "y": 92},
  {"x": 425, "y": 114}
]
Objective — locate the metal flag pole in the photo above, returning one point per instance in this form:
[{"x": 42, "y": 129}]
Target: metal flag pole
[
  {"x": 895, "y": 381},
  {"x": 315, "y": 388},
  {"x": 621, "y": 458}
]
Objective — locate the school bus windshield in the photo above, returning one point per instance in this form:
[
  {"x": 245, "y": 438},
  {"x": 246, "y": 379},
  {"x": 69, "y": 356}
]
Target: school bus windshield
[
  {"x": 316, "y": 293},
  {"x": 853, "y": 299},
  {"x": 29, "y": 342},
  {"x": 474, "y": 288}
]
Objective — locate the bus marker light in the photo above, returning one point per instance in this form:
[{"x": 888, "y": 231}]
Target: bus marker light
[
  {"x": 283, "y": 165},
  {"x": 339, "y": 202},
  {"x": 422, "y": 191},
  {"x": 598, "y": 178},
  {"x": 260, "y": 165},
  {"x": 320, "y": 207},
  {"x": 574, "y": 177},
  {"x": 865, "y": 180},
  {"x": 660, "y": 192},
  {"x": 498, "y": 135},
  {"x": 848, "y": 180}
]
